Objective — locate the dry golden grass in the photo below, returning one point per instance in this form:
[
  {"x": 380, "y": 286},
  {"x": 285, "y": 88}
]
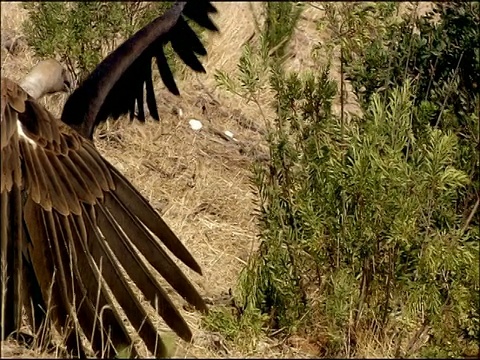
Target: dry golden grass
[{"x": 198, "y": 181}]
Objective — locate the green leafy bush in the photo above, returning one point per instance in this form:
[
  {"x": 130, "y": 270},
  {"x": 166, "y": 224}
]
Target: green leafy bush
[
  {"x": 440, "y": 51},
  {"x": 360, "y": 231},
  {"x": 280, "y": 22},
  {"x": 80, "y": 33},
  {"x": 367, "y": 226}
]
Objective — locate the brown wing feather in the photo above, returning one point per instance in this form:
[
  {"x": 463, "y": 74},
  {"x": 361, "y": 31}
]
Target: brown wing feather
[
  {"x": 12, "y": 240},
  {"x": 77, "y": 224},
  {"x": 118, "y": 82}
]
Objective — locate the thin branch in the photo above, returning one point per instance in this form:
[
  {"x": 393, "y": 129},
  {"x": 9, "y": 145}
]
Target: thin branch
[{"x": 470, "y": 217}]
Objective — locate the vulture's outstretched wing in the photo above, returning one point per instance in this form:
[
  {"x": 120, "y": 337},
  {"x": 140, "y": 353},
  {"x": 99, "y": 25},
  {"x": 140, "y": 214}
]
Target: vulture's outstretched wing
[
  {"x": 67, "y": 216},
  {"x": 118, "y": 82}
]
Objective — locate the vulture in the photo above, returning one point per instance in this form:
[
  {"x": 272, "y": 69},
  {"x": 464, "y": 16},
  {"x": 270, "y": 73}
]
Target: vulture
[{"x": 72, "y": 225}]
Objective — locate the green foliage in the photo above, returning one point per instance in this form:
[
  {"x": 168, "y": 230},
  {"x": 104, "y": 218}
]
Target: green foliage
[
  {"x": 363, "y": 225},
  {"x": 367, "y": 226},
  {"x": 243, "y": 329},
  {"x": 251, "y": 79},
  {"x": 280, "y": 22},
  {"x": 435, "y": 52},
  {"x": 250, "y": 82},
  {"x": 440, "y": 50},
  {"x": 281, "y": 19},
  {"x": 255, "y": 61},
  {"x": 80, "y": 33},
  {"x": 277, "y": 278}
]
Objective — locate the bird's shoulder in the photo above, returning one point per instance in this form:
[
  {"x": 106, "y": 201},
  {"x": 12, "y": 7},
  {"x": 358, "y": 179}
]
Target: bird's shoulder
[{"x": 60, "y": 167}]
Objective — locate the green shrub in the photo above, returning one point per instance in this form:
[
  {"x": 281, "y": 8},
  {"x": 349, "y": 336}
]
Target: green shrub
[
  {"x": 360, "y": 230},
  {"x": 365, "y": 225},
  {"x": 80, "y": 34},
  {"x": 440, "y": 51},
  {"x": 281, "y": 18},
  {"x": 243, "y": 328},
  {"x": 280, "y": 22}
]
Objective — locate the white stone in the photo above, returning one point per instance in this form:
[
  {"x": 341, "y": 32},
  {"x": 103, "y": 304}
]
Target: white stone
[{"x": 195, "y": 124}]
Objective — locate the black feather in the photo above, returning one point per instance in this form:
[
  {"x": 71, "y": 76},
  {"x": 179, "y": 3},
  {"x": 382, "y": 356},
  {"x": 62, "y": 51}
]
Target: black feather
[{"x": 107, "y": 92}]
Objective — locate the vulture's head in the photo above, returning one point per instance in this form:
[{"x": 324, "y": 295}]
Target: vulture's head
[{"x": 47, "y": 77}]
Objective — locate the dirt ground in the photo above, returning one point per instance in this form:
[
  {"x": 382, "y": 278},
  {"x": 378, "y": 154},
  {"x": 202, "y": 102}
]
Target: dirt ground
[{"x": 197, "y": 180}]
